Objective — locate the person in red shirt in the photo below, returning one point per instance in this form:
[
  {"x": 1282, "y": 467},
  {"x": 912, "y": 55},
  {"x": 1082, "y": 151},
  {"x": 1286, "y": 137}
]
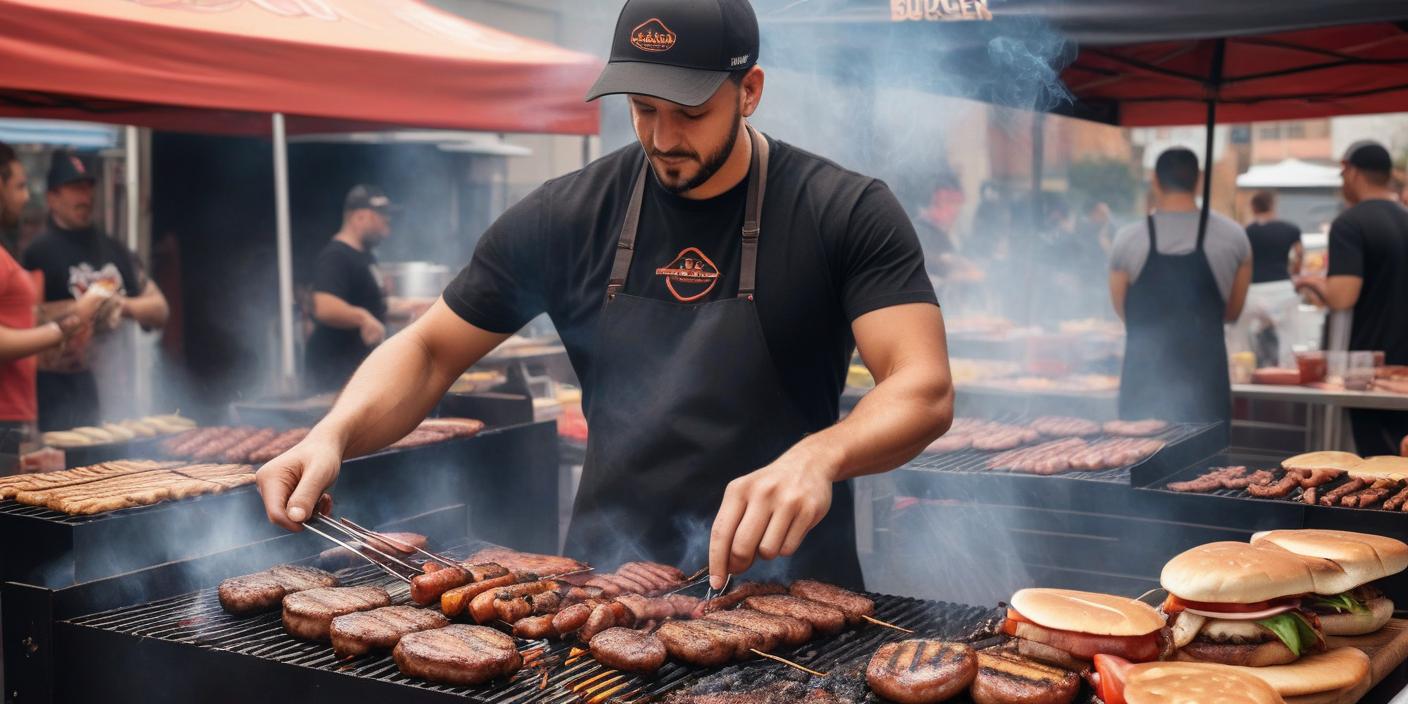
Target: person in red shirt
[{"x": 20, "y": 340}]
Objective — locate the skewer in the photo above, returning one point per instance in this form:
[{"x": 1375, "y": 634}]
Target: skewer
[
  {"x": 349, "y": 533},
  {"x": 887, "y": 624},
  {"x": 691, "y": 582},
  {"x": 789, "y": 663},
  {"x": 402, "y": 546},
  {"x": 359, "y": 553},
  {"x": 709, "y": 593}
]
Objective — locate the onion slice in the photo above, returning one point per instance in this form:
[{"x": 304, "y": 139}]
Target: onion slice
[{"x": 1249, "y": 616}]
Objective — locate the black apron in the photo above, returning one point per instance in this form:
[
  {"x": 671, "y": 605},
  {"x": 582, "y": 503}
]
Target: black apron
[
  {"x": 686, "y": 399},
  {"x": 1175, "y": 358}
]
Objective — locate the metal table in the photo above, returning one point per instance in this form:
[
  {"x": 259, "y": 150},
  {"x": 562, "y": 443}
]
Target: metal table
[{"x": 1325, "y": 420}]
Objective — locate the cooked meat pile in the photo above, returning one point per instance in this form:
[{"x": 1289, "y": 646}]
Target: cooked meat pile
[
  {"x": 380, "y": 629},
  {"x": 264, "y": 591},
  {"x": 921, "y": 671},
  {"x": 308, "y": 614},
  {"x": 1315, "y": 484},
  {"x": 123, "y": 484},
  {"x": 457, "y": 654},
  {"x": 245, "y": 444}
]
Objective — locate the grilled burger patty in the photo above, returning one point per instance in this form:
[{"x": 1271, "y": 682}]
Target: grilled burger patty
[
  {"x": 628, "y": 649},
  {"x": 824, "y": 619},
  {"x": 705, "y": 643},
  {"x": 264, "y": 591},
  {"x": 855, "y": 606},
  {"x": 379, "y": 629},
  {"x": 921, "y": 671},
  {"x": 783, "y": 630},
  {"x": 1008, "y": 678},
  {"x": 457, "y": 654},
  {"x": 309, "y": 614}
]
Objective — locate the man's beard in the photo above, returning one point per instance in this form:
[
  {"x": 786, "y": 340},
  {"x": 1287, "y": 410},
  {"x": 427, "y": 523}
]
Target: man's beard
[{"x": 707, "y": 167}]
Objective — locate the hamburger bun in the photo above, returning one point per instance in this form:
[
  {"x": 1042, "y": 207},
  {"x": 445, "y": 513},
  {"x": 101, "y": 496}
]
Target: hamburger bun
[
  {"x": 1358, "y": 623},
  {"x": 1381, "y": 467},
  {"x": 1328, "y": 459},
  {"x": 1264, "y": 654},
  {"x": 1087, "y": 612},
  {"x": 1238, "y": 573},
  {"x": 1362, "y": 556},
  {"x": 1329, "y": 671},
  {"x": 1195, "y": 683}
]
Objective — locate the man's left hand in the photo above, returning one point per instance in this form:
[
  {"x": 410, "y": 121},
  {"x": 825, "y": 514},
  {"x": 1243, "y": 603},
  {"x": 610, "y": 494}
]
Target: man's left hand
[{"x": 767, "y": 513}]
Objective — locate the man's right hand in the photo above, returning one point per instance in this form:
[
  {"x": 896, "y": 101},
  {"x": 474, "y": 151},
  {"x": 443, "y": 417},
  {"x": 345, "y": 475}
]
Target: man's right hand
[
  {"x": 373, "y": 332},
  {"x": 293, "y": 484}
]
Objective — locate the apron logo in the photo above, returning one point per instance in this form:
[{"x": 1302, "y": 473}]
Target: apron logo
[
  {"x": 692, "y": 272},
  {"x": 652, "y": 35}
]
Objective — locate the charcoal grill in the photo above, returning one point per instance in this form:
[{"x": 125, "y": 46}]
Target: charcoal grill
[{"x": 132, "y": 653}]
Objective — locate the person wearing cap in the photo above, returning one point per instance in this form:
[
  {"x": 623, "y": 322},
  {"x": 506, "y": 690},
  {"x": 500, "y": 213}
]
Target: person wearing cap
[
  {"x": 710, "y": 284},
  {"x": 74, "y": 258},
  {"x": 350, "y": 306},
  {"x": 1368, "y": 276}
]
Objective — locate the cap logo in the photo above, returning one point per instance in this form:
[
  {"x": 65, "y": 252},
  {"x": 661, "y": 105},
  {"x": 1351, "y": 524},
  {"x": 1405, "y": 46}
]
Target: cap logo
[
  {"x": 737, "y": 61},
  {"x": 652, "y": 35},
  {"x": 77, "y": 164}
]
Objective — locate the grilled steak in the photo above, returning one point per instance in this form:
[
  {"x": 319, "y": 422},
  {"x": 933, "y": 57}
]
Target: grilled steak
[
  {"x": 853, "y": 605},
  {"x": 921, "y": 671},
  {"x": 686, "y": 642},
  {"x": 457, "y": 654},
  {"x": 742, "y": 640},
  {"x": 629, "y": 650},
  {"x": 782, "y": 630},
  {"x": 309, "y": 614},
  {"x": 264, "y": 591},
  {"x": 1008, "y": 678},
  {"x": 824, "y": 619},
  {"x": 379, "y": 629}
]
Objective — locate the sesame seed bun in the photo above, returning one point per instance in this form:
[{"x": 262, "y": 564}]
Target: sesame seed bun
[
  {"x": 1195, "y": 683},
  {"x": 1087, "y": 612}
]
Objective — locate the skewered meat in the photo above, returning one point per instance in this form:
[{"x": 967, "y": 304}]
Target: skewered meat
[
  {"x": 921, "y": 671},
  {"x": 1008, "y": 678},
  {"x": 686, "y": 642},
  {"x": 1333, "y": 496},
  {"x": 629, "y": 650},
  {"x": 736, "y": 597},
  {"x": 379, "y": 629},
  {"x": 308, "y": 614},
  {"x": 457, "y": 654},
  {"x": 1274, "y": 489},
  {"x": 741, "y": 641},
  {"x": 1135, "y": 428},
  {"x": 782, "y": 630},
  {"x": 527, "y": 561},
  {"x": 824, "y": 619},
  {"x": 1065, "y": 426},
  {"x": 264, "y": 591},
  {"x": 855, "y": 606}
]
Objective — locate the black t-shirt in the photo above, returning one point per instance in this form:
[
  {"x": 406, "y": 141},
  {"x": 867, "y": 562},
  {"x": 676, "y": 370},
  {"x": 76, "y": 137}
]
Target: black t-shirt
[
  {"x": 1271, "y": 249},
  {"x": 333, "y": 353},
  {"x": 834, "y": 246},
  {"x": 1370, "y": 240},
  {"x": 73, "y": 260}
]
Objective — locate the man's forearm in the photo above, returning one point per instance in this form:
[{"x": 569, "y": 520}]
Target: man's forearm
[
  {"x": 21, "y": 343},
  {"x": 891, "y": 424},
  {"x": 149, "y": 309}
]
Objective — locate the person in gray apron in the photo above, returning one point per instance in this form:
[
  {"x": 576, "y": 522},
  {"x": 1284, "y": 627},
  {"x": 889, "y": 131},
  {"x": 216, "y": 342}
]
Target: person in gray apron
[{"x": 710, "y": 285}]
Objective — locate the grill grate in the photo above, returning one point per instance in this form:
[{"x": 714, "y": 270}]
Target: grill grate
[
  {"x": 1242, "y": 494},
  {"x": 972, "y": 461},
  {"x": 10, "y": 507},
  {"x": 196, "y": 620}
]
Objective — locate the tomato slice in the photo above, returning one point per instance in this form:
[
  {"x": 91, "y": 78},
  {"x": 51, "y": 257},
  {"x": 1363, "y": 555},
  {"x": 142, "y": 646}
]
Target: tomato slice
[
  {"x": 1111, "y": 672},
  {"x": 1173, "y": 605}
]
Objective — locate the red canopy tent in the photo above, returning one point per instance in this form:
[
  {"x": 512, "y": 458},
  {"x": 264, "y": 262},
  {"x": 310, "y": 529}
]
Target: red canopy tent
[{"x": 227, "y": 66}]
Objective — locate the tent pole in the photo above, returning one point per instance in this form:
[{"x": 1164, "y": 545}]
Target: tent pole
[
  {"x": 284, "y": 244},
  {"x": 1219, "y": 53}
]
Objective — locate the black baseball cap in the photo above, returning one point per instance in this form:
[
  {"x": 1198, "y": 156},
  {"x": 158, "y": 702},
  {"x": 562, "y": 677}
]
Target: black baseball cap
[
  {"x": 678, "y": 50},
  {"x": 68, "y": 167},
  {"x": 371, "y": 198},
  {"x": 1368, "y": 155}
]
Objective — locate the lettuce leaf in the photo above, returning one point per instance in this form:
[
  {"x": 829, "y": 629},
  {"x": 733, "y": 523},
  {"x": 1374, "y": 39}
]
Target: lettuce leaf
[
  {"x": 1343, "y": 603},
  {"x": 1293, "y": 630}
]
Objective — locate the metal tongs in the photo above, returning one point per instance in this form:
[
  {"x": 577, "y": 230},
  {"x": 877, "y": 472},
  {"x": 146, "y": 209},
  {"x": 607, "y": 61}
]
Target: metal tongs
[
  {"x": 362, "y": 538},
  {"x": 699, "y": 577}
]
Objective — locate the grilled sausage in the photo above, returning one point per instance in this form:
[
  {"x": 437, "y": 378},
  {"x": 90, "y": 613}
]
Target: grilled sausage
[
  {"x": 427, "y": 588},
  {"x": 855, "y": 606},
  {"x": 737, "y": 596},
  {"x": 535, "y": 627},
  {"x": 512, "y": 609},
  {"x": 824, "y": 619},
  {"x": 482, "y": 608},
  {"x": 572, "y": 618},
  {"x": 454, "y": 601}
]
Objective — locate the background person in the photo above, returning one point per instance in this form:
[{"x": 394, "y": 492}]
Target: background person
[{"x": 1269, "y": 324}]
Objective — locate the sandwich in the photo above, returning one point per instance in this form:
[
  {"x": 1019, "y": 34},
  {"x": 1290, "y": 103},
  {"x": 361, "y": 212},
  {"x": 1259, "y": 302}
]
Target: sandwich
[
  {"x": 1362, "y": 608},
  {"x": 1118, "y": 681},
  {"x": 1068, "y": 628}
]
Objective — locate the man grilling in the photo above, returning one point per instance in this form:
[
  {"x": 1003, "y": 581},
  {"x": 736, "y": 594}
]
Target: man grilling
[{"x": 710, "y": 284}]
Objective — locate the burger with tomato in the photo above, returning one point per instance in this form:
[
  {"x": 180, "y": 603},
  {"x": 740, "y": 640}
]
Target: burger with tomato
[
  {"x": 1239, "y": 604},
  {"x": 1363, "y": 608},
  {"x": 1069, "y": 628}
]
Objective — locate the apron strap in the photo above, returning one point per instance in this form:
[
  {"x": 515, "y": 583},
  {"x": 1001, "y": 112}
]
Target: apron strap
[
  {"x": 626, "y": 243},
  {"x": 1153, "y": 236},
  {"x": 752, "y": 215},
  {"x": 1202, "y": 227}
]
